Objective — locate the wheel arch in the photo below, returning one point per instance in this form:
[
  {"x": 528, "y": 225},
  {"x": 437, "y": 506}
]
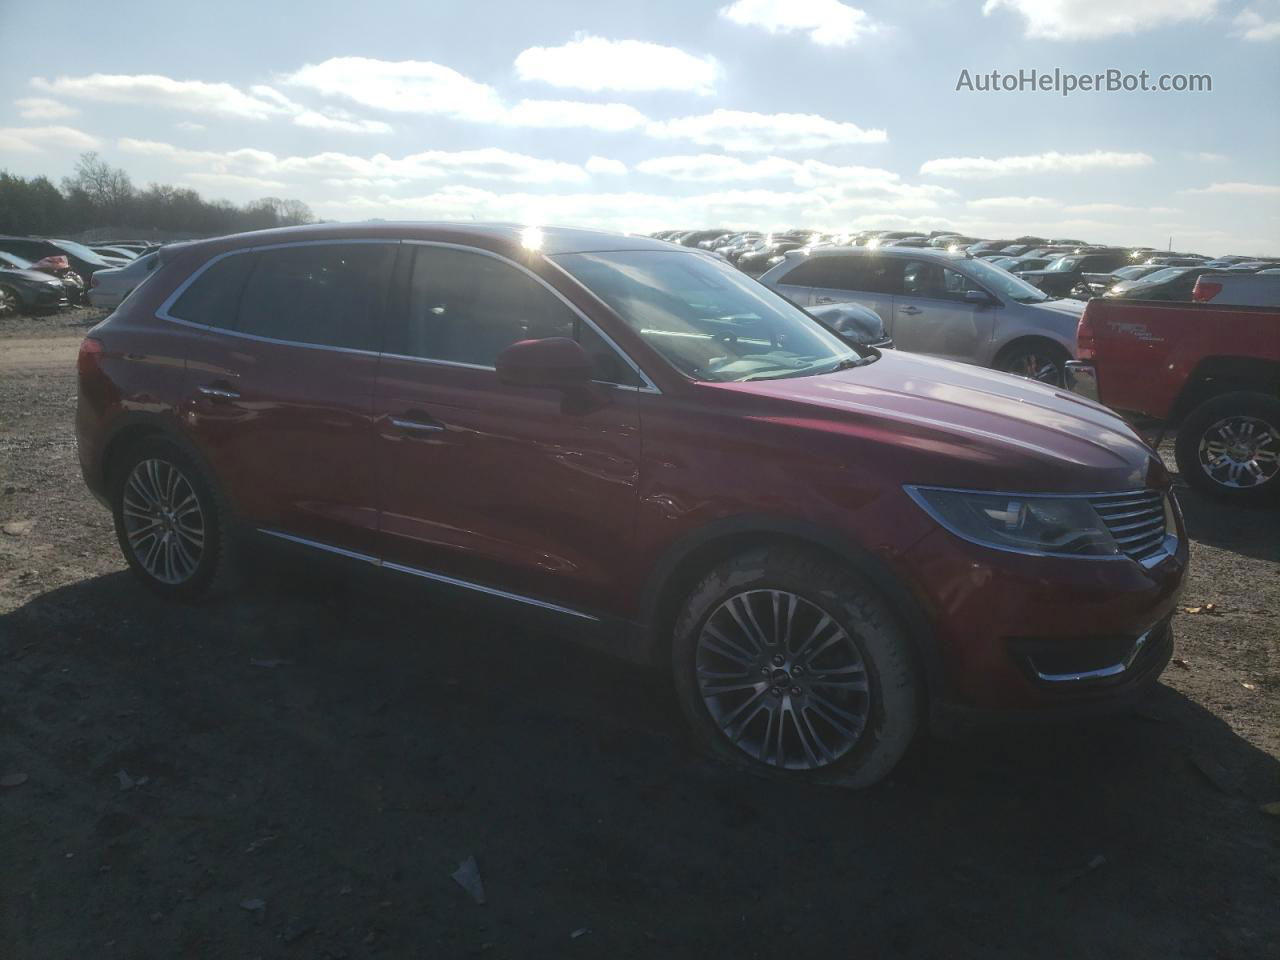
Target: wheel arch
[
  {"x": 1217, "y": 375},
  {"x": 132, "y": 428},
  {"x": 684, "y": 563},
  {"x": 1025, "y": 339}
]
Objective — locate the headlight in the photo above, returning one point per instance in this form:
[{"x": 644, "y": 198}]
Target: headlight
[{"x": 1035, "y": 524}]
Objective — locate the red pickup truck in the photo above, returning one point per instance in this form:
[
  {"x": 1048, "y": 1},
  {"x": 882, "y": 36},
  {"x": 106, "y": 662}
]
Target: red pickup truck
[{"x": 1213, "y": 372}]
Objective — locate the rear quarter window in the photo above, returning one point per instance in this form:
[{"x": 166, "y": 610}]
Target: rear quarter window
[{"x": 213, "y": 297}]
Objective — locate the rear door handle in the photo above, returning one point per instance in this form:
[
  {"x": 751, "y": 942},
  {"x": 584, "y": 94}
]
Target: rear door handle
[
  {"x": 910, "y": 311},
  {"x": 219, "y": 390},
  {"x": 417, "y": 422}
]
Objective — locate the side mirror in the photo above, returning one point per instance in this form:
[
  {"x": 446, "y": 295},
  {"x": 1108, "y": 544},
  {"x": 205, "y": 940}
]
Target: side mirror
[
  {"x": 980, "y": 297},
  {"x": 556, "y": 362}
]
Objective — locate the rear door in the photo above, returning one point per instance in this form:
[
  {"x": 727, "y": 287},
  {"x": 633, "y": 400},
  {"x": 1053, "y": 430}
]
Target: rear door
[
  {"x": 930, "y": 314},
  {"x": 527, "y": 492},
  {"x": 278, "y": 390}
]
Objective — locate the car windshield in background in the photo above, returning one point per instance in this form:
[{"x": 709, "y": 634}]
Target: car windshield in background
[
  {"x": 708, "y": 320},
  {"x": 1160, "y": 276},
  {"x": 1015, "y": 288},
  {"x": 15, "y": 261},
  {"x": 1065, "y": 265},
  {"x": 81, "y": 251}
]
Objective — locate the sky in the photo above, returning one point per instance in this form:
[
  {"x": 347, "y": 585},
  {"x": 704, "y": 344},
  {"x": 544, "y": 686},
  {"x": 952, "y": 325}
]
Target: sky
[{"x": 761, "y": 114}]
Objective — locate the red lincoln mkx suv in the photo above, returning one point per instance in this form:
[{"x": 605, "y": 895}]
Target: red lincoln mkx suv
[{"x": 828, "y": 546}]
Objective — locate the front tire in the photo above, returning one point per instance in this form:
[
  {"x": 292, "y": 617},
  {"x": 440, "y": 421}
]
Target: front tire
[
  {"x": 1044, "y": 362},
  {"x": 790, "y": 666},
  {"x": 171, "y": 524},
  {"x": 1229, "y": 447}
]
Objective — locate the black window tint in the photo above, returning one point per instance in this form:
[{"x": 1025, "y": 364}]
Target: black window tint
[
  {"x": 468, "y": 307},
  {"x": 330, "y": 294},
  {"x": 813, "y": 272},
  {"x": 214, "y": 295},
  {"x": 921, "y": 278}
]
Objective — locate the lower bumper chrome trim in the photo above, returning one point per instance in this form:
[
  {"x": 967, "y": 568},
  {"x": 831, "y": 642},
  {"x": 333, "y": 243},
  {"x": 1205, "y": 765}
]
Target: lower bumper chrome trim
[{"x": 1114, "y": 670}]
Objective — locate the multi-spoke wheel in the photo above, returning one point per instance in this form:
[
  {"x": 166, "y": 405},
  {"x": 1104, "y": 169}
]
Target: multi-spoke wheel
[
  {"x": 9, "y": 302},
  {"x": 782, "y": 679},
  {"x": 1229, "y": 447},
  {"x": 792, "y": 666},
  {"x": 163, "y": 521},
  {"x": 1044, "y": 362},
  {"x": 167, "y": 520}
]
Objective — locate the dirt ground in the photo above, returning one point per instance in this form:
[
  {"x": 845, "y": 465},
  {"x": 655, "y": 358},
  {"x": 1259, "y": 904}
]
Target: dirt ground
[{"x": 299, "y": 772}]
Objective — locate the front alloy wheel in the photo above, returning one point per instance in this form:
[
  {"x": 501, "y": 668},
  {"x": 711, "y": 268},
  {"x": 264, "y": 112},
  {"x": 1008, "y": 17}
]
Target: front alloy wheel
[
  {"x": 782, "y": 680},
  {"x": 163, "y": 522}
]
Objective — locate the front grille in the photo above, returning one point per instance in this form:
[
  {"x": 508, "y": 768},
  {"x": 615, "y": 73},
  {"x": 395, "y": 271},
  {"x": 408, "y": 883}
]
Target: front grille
[{"x": 1136, "y": 520}]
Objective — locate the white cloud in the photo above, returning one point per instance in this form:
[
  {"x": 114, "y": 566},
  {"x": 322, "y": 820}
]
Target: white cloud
[
  {"x": 151, "y": 90},
  {"x": 1017, "y": 203},
  {"x": 1244, "y": 189},
  {"x": 974, "y": 168},
  {"x": 594, "y": 63},
  {"x": 605, "y": 165},
  {"x": 570, "y": 113},
  {"x": 1205, "y": 156},
  {"x": 745, "y": 132},
  {"x": 37, "y": 139},
  {"x": 403, "y": 86},
  {"x": 484, "y": 164},
  {"x": 828, "y": 23},
  {"x": 1083, "y": 19},
  {"x": 340, "y": 121},
  {"x": 190, "y": 126},
  {"x": 42, "y": 108},
  {"x": 234, "y": 180},
  {"x": 1256, "y": 27},
  {"x": 717, "y": 168}
]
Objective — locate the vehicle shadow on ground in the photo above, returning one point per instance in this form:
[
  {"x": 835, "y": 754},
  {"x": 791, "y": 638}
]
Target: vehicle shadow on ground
[
  {"x": 1252, "y": 531},
  {"x": 334, "y": 750}
]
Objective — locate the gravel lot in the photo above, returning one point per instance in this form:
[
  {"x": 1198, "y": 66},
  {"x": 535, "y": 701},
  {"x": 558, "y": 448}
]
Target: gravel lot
[{"x": 298, "y": 774}]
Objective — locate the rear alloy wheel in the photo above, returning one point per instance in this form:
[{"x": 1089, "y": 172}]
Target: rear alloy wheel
[
  {"x": 9, "y": 302},
  {"x": 1229, "y": 447},
  {"x": 169, "y": 521},
  {"x": 1045, "y": 363},
  {"x": 792, "y": 667}
]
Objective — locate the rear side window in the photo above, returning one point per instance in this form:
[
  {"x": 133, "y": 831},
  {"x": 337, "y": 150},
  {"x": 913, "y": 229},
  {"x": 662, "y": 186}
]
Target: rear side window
[
  {"x": 326, "y": 294},
  {"x": 814, "y": 272},
  {"x": 213, "y": 296},
  {"x": 468, "y": 307}
]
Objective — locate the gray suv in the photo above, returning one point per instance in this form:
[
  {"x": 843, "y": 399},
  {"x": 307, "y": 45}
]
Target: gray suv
[{"x": 946, "y": 304}]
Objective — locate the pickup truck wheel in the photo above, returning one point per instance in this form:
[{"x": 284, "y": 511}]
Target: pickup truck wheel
[
  {"x": 1042, "y": 361},
  {"x": 790, "y": 666},
  {"x": 1229, "y": 447}
]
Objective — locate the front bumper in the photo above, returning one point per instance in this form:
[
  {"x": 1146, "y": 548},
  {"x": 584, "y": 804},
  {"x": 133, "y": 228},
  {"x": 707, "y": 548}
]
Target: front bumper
[
  {"x": 1082, "y": 378},
  {"x": 1044, "y": 635}
]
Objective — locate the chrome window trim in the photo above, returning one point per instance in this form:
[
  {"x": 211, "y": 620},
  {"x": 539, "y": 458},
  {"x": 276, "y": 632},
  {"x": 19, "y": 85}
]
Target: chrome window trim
[
  {"x": 647, "y": 386},
  {"x": 1113, "y": 670},
  {"x": 428, "y": 574},
  {"x": 1167, "y": 548}
]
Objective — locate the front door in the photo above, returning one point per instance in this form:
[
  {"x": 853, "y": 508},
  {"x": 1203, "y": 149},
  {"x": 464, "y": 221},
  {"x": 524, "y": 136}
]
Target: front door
[
  {"x": 524, "y": 491},
  {"x": 931, "y": 315},
  {"x": 279, "y": 382}
]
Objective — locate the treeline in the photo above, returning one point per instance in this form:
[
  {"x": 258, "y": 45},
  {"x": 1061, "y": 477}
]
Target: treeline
[{"x": 99, "y": 195}]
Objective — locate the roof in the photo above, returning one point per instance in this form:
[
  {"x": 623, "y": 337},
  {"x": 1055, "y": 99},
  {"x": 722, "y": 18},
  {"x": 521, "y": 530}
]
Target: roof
[
  {"x": 933, "y": 253},
  {"x": 491, "y": 236}
]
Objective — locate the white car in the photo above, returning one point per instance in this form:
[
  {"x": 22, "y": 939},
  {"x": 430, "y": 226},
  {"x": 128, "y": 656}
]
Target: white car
[
  {"x": 1238, "y": 290},
  {"x": 108, "y": 287}
]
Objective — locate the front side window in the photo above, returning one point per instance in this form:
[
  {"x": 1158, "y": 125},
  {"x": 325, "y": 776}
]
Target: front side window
[
  {"x": 467, "y": 307},
  {"x": 708, "y": 320},
  {"x": 325, "y": 294},
  {"x": 924, "y": 278}
]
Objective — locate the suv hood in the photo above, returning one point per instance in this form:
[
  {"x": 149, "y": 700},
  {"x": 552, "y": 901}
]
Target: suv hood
[{"x": 932, "y": 421}]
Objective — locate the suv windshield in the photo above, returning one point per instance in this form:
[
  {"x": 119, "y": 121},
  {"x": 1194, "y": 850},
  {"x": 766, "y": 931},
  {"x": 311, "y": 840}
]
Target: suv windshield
[
  {"x": 707, "y": 319},
  {"x": 993, "y": 278},
  {"x": 1065, "y": 265}
]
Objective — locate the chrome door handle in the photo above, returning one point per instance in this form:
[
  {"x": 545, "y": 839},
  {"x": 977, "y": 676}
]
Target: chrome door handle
[
  {"x": 218, "y": 393},
  {"x": 911, "y": 311},
  {"x": 416, "y": 426}
]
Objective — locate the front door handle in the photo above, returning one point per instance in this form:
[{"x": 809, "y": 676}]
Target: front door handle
[
  {"x": 910, "y": 311},
  {"x": 417, "y": 422},
  {"x": 218, "y": 390}
]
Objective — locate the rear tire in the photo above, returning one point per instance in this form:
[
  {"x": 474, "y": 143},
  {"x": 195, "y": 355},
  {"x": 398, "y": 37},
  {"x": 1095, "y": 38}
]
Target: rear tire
[
  {"x": 789, "y": 666},
  {"x": 1229, "y": 447},
  {"x": 172, "y": 525}
]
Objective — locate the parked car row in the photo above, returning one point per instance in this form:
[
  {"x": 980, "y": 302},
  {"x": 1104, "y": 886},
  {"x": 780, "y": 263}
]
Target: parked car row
[{"x": 40, "y": 275}]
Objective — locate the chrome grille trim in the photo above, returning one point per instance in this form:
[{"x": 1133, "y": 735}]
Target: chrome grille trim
[{"x": 1135, "y": 519}]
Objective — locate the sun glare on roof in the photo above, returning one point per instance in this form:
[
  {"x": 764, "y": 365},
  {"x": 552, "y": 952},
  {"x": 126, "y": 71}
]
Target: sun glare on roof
[{"x": 531, "y": 238}]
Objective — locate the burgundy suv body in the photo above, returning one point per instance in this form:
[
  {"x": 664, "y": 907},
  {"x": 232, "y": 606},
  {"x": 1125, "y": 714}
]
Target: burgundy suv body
[{"x": 705, "y": 479}]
